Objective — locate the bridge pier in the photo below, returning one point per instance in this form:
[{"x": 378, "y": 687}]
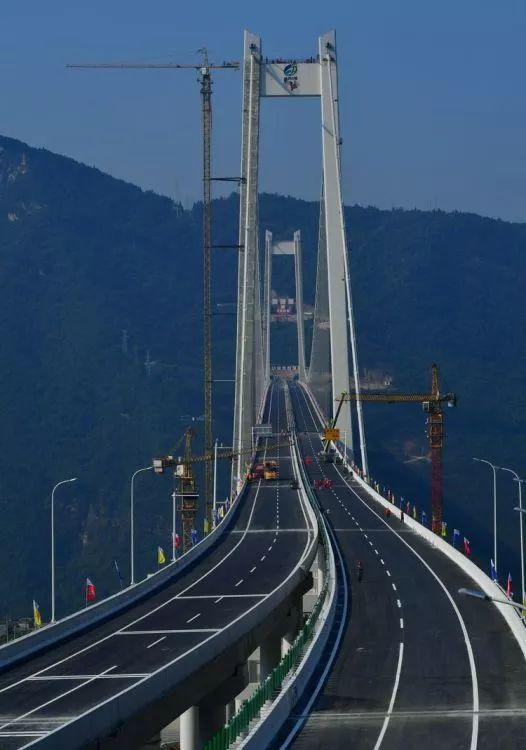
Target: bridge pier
[
  {"x": 269, "y": 654},
  {"x": 294, "y": 621},
  {"x": 199, "y": 723}
]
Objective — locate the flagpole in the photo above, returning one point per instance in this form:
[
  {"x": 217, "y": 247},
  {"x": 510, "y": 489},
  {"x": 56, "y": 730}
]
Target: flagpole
[{"x": 214, "y": 504}]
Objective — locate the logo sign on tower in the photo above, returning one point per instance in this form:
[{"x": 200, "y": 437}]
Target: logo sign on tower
[{"x": 290, "y": 76}]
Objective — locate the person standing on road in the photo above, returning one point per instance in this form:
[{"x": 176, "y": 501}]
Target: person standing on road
[{"x": 359, "y": 570}]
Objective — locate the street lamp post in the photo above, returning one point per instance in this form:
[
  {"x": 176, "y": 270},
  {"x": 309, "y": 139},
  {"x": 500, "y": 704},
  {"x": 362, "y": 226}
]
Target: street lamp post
[
  {"x": 495, "y": 469},
  {"x": 64, "y": 481},
  {"x": 477, "y": 594},
  {"x": 132, "y": 545},
  {"x": 214, "y": 506},
  {"x": 521, "y": 515}
]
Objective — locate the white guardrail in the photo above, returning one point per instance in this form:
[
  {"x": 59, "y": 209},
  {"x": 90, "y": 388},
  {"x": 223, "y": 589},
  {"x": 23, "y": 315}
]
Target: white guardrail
[{"x": 489, "y": 587}]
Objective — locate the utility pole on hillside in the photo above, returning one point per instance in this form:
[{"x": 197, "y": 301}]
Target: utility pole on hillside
[{"x": 205, "y": 80}]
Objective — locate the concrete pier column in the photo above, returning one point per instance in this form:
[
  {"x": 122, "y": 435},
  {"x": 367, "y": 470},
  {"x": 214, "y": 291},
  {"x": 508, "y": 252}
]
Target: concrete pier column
[
  {"x": 294, "y": 622},
  {"x": 269, "y": 654},
  {"x": 211, "y": 718},
  {"x": 320, "y": 568},
  {"x": 189, "y": 729},
  {"x": 230, "y": 710}
]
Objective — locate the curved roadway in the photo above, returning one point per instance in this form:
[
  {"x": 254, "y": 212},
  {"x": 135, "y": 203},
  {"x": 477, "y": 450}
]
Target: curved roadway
[
  {"x": 270, "y": 538},
  {"x": 418, "y": 666}
]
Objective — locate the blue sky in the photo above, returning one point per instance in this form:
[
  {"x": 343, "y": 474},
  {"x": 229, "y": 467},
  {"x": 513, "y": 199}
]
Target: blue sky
[{"x": 432, "y": 95}]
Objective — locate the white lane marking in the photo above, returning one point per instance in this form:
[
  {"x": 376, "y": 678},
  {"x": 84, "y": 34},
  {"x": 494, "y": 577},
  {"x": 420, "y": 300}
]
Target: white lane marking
[
  {"x": 56, "y": 698},
  {"x": 193, "y": 618},
  {"x": 382, "y": 561},
  {"x": 388, "y": 573},
  {"x": 239, "y": 582},
  {"x": 253, "y": 569},
  {"x": 469, "y": 648},
  {"x": 120, "y": 676},
  {"x": 393, "y": 698},
  {"x": 398, "y": 603},
  {"x": 156, "y": 642},
  {"x": 269, "y": 549},
  {"x": 402, "y": 622},
  {"x": 394, "y": 586},
  {"x": 225, "y": 596},
  {"x": 262, "y": 558},
  {"x": 370, "y": 543},
  {"x": 365, "y": 535},
  {"x": 376, "y": 551},
  {"x": 176, "y": 630}
]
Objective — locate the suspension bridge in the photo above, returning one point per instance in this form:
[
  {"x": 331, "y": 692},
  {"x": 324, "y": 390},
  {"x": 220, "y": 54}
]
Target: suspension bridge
[{"x": 387, "y": 654}]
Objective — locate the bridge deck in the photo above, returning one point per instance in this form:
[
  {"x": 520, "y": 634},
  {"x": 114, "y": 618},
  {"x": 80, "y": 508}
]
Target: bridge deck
[
  {"x": 402, "y": 676},
  {"x": 270, "y": 537}
]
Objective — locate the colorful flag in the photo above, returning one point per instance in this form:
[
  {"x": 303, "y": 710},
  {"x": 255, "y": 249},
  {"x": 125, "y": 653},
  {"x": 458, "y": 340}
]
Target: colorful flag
[
  {"x": 509, "y": 588},
  {"x": 467, "y": 547},
  {"x": 206, "y": 528},
  {"x": 90, "y": 591},
  {"x": 493, "y": 571},
  {"x": 161, "y": 557},
  {"x": 193, "y": 534},
  {"x": 443, "y": 531},
  {"x": 414, "y": 512},
  {"x": 456, "y": 537},
  {"x": 37, "y": 617},
  {"x": 177, "y": 541},
  {"x": 408, "y": 508},
  {"x": 423, "y": 518}
]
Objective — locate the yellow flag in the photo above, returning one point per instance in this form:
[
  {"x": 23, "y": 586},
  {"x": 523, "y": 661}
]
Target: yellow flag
[
  {"x": 206, "y": 526},
  {"x": 161, "y": 557},
  {"x": 37, "y": 618}
]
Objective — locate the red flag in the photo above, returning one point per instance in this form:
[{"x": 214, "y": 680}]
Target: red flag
[
  {"x": 467, "y": 547},
  {"x": 177, "y": 541},
  {"x": 90, "y": 591},
  {"x": 509, "y": 588}
]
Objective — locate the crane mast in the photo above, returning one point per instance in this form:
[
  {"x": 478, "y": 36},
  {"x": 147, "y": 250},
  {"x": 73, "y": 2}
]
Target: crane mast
[
  {"x": 205, "y": 79},
  {"x": 206, "y": 94},
  {"x": 432, "y": 404}
]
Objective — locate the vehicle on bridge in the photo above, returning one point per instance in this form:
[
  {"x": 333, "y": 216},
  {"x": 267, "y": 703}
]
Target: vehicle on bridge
[{"x": 271, "y": 469}]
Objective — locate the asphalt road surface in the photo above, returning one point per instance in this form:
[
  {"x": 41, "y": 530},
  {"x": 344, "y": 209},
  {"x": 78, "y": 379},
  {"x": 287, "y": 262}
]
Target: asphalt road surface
[
  {"x": 270, "y": 537},
  {"x": 418, "y": 665}
]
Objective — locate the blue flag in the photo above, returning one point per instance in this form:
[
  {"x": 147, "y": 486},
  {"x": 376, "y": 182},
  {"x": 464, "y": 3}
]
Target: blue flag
[
  {"x": 493, "y": 571},
  {"x": 456, "y": 537},
  {"x": 194, "y": 536},
  {"x": 423, "y": 518}
]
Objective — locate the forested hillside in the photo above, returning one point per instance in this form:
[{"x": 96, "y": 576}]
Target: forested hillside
[{"x": 98, "y": 278}]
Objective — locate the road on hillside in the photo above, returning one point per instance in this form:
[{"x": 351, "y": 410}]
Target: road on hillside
[
  {"x": 271, "y": 536},
  {"x": 418, "y": 665}
]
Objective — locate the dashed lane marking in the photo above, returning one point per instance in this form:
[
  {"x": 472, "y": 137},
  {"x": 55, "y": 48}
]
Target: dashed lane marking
[
  {"x": 193, "y": 618},
  {"x": 156, "y": 642}
]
